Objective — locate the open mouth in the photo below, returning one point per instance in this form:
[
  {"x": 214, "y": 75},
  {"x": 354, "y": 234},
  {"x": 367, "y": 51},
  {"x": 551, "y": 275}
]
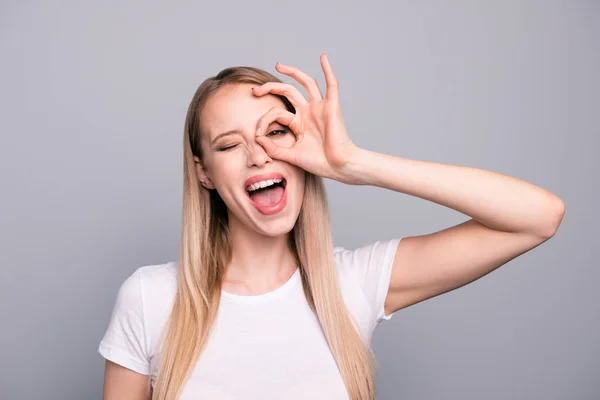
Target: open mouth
[{"x": 267, "y": 193}]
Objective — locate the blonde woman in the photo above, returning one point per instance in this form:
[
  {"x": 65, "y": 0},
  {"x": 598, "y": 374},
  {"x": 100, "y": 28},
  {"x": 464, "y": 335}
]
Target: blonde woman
[{"x": 261, "y": 305}]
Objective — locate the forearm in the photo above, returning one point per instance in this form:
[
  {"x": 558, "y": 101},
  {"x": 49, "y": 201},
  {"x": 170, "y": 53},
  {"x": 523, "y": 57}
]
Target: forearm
[{"x": 496, "y": 200}]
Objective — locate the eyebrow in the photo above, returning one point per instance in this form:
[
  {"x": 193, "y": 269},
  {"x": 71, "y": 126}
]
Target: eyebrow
[{"x": 220, "y": 135}]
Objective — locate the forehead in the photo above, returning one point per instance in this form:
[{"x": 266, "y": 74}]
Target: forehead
[{"x": 235, "y": 107}]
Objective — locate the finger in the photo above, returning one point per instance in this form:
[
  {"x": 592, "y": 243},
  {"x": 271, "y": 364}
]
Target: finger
[
  {"x": 332, "y": 83},
  {"x": 309, "y": 83},
  {"x": 287, "y": 154},
  {"x": 285, "y": 89},
  {"x": 275, "y": 114}
]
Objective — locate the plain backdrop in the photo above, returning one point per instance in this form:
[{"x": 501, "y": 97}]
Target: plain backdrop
[{"x": 93, "y": 97}]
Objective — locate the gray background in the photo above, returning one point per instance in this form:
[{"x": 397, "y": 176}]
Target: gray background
[{"x": 93, "y": 99}]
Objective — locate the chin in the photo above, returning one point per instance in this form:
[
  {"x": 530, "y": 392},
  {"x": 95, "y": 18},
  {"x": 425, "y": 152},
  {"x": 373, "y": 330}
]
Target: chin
[{"x": 276, "y": 228}]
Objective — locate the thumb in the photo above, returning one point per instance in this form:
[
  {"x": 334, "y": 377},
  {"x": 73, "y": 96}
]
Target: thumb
[{"x": 275, "y": 151}]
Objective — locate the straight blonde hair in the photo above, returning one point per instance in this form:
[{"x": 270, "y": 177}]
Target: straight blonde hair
[{"x": 206, "y": 252}]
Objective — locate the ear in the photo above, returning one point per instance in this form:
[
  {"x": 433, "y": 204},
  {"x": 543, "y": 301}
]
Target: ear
[{"x": 202, "y": 175}]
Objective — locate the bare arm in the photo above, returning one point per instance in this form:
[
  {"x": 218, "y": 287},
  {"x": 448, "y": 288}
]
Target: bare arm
[
  {"x": 509, "y": 217},
  {"x": 121, "y": 383}
]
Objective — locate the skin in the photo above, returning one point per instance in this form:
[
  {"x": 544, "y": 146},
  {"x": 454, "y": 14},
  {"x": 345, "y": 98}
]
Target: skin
[
  {"x": 508, "y": 216},
  {"x": 121, "y": 383},
  {"x": 261, "y": 259}
]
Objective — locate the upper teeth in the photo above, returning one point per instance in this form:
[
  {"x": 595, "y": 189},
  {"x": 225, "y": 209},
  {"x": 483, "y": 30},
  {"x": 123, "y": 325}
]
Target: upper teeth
[{"x": 263, "y": 184}]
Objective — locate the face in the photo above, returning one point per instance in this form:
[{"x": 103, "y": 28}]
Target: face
[{"x": 236, "y": 165}]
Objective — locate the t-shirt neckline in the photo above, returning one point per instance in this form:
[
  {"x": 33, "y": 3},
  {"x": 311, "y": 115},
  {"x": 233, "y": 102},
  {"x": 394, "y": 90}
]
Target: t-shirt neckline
[{"x": 264, "y": 297}]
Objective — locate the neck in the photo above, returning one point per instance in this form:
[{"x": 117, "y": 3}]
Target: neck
[{"x": 259, "y": 263}]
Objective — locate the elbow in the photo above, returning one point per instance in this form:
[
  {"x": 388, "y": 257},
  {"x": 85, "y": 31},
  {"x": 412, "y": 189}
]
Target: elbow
[{"x": 555, "y": 214}]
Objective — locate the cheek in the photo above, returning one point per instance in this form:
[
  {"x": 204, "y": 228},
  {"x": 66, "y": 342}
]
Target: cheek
[
  {"x": 299, "y": 177},
  {"x": 225, "y": 175}
]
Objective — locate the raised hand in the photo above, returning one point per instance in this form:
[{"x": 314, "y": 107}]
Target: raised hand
[{"x": 323, "y": 146}]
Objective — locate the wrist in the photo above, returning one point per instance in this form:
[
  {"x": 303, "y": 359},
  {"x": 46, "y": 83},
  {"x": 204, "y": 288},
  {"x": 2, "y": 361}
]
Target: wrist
[{"x": 354, "y": 172}]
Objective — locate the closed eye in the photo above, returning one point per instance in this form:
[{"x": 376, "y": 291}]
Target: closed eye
[{"x": 226, "y": 148}]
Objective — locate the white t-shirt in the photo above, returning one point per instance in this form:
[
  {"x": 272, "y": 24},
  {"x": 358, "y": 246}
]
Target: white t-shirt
[{"x": 267, "y": 346}]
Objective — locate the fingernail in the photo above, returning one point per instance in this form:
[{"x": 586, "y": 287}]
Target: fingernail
[{"x": 258, "y": 131}]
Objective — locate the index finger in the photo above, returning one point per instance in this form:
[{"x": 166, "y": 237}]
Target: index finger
[
  {"x": 309, "y": 83},
  {"x": 333, "y": 92}
]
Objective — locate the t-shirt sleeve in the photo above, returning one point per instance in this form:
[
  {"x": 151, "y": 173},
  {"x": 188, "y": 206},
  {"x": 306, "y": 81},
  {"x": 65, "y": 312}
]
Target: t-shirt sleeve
[
  {"x": 125, "y": 342},
  {"x": 372, "y": 266}
]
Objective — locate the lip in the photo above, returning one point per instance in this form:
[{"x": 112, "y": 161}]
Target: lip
[
  {"x": 272, "y": 209},
  {"x": 263, "y": 177}
]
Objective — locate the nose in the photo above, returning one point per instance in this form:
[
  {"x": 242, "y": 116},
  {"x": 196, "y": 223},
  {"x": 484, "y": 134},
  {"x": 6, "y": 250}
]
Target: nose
[{"x": 257, "y": 155}]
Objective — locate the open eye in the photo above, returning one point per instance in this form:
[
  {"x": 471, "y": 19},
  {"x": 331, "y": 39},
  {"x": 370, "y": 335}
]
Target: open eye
[{"x": 278, "y": 132}]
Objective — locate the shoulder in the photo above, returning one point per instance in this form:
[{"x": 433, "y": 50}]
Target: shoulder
[
  {"x": 360, "y": 260},
  {"x": 157, "y": 288},
  {"x": 148, "y": 293},
  {"x": 158, "y": 279},
  {"x": 364, "y": 274}
]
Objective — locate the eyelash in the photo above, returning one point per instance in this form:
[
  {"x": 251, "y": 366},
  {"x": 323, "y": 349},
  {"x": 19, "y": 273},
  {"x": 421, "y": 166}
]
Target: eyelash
[{"x": 283, "y": 132}]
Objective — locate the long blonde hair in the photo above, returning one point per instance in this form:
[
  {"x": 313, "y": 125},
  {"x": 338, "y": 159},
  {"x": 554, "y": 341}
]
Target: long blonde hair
[{"x": 206, "y": 252}]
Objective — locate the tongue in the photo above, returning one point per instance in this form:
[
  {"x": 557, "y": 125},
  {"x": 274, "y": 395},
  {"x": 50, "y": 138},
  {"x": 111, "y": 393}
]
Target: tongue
[{"x": 267, "y": 197}]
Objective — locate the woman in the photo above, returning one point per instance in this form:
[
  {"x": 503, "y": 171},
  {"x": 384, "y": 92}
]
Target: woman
[{"x": 261, "y": 305}]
